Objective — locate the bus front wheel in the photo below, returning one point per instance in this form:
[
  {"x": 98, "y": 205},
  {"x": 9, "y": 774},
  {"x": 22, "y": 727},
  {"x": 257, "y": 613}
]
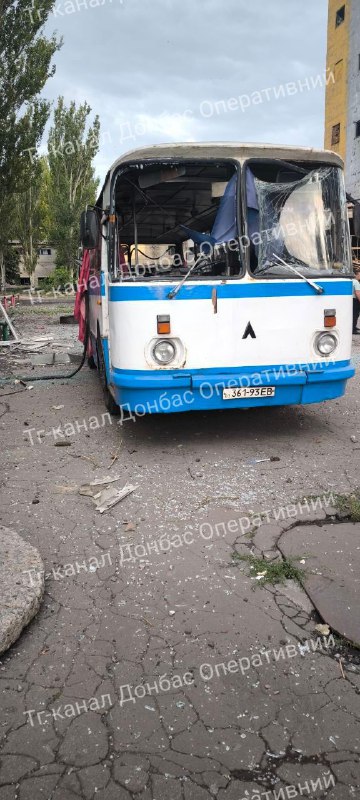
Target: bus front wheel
[
  {"x": 91, "y": 362},
  {"x": 109, "y": 401}
]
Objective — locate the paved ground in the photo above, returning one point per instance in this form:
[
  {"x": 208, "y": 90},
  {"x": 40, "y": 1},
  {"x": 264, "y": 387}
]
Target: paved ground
[
  {"x": 333, "y": 572},
  {"x": 286, "y": 718},
  {"x": 20, "y": 595}
]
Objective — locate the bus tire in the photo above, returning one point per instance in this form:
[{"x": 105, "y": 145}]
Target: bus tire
[
  {"x": 109, "y": 401},
  {"x": 91, "y": 362}
]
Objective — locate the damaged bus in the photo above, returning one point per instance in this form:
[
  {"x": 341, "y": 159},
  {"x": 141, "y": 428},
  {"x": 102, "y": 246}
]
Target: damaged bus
[{"x": 218, "y": 276}]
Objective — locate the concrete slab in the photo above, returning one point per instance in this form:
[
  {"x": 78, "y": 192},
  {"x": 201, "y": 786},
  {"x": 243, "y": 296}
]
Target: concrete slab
[
  {"x": 332, "y": 554},
  {"x": 42, "y": 360},
  {"x": 75, "y": 358},
  {"x": 61, "y": 358},
  {"x": 68, "y": 319},
  {"x": 21, "y": 585}
]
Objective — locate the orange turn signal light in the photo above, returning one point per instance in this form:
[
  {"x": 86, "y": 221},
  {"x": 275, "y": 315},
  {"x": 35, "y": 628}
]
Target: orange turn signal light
[
  {"x": 163, "y": 323},
  {"x": 330, "y": 318}
]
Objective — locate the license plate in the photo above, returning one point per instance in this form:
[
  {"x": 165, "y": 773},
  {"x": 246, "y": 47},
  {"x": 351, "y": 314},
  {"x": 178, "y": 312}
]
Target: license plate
[{"x": 248, "y": 391}]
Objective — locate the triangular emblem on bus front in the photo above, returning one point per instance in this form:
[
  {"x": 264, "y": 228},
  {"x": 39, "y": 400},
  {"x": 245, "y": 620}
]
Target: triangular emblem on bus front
[{"x": 249, "y": 331}]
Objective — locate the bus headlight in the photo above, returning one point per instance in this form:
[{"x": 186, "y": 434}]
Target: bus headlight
[
  {"x": 164, "y": 351},
  {"x": 325, "y": 344}
]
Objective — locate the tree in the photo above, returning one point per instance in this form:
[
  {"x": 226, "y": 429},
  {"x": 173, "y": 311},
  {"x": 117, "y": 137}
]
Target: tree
[
  {"x": 32, "y": 221},
  {"x": 72, "y": 147},
  {"x": 11, "y": 263},
  {"x": 25, "y": 66}
]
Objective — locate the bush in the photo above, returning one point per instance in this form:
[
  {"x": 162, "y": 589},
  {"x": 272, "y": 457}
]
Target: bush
[{"x": 59, "y": 279}]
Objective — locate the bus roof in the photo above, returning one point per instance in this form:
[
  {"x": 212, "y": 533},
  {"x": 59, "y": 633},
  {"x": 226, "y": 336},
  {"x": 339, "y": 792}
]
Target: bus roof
[{"x": 221, "y": 150}]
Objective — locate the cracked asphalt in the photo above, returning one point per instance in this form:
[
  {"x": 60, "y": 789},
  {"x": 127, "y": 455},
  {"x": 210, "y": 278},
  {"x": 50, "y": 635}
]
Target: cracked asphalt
[{"x": 222, "y": 734}]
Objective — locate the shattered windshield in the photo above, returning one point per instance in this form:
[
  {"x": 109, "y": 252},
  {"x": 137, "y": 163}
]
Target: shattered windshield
[
  {"x": 300, "y": 217},
  {"x": 177, "y": 216}
]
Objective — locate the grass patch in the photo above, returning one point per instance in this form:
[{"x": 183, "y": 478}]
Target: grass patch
[
  {"x": 52, "y": 310},
  {"x": 345, "y": 644},
  {"x": 274, "y": 571},
  {"x": 349, "y": 504},
  {"x": 250, "y": 533}
]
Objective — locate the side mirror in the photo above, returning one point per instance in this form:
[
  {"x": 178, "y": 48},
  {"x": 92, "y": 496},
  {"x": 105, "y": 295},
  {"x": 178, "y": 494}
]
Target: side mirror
[{"x": 89, "y": 229}]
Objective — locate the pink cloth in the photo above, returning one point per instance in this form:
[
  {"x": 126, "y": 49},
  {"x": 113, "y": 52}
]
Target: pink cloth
[{"x": 80, "y": 308}]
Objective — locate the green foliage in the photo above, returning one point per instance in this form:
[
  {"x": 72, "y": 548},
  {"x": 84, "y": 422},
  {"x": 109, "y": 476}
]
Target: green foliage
[
  {"x": 59, "y": 279},
  {"x": 11, "y": 264},
  {"x": 274, "y": 571},
  {"x": 32, "y": 214},
  {"x": 72, "y": 147},
  {"x": 349, "y": 504},
  {"x": 25, "y": 66}
]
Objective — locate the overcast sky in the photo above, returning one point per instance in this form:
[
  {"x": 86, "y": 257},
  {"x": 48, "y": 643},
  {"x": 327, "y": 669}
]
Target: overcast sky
[{"x": 160, "y": 65}]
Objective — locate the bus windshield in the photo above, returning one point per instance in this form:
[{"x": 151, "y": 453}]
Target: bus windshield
[
  {"x": 172, "y": 216},
  {"x": 297, "y": 215}
]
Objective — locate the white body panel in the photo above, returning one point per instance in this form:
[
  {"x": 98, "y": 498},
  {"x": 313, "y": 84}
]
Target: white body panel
[{"x": 284, "y": 327}]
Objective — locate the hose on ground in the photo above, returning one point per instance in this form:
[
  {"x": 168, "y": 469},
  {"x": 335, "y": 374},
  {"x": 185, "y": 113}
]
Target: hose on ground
[{"x": 57, "y": 377}]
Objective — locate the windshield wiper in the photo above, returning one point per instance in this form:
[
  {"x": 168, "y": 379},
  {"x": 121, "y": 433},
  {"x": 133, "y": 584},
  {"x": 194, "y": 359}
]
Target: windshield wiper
[
  {"x": 318, "y": 289},
  {"x": 175, "y": 291}
]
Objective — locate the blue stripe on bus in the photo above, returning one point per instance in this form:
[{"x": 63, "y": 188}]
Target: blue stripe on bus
[{"x": 202, "y": 291}]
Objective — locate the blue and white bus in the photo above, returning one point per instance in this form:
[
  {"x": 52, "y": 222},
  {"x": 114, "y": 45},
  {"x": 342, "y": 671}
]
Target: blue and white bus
[{"x": 220, "y": 276}]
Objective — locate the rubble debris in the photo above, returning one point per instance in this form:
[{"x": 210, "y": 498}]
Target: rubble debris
[
  {"x": 260, "y": 575},
  {"x": 90, "y": 490},
  {"x": 263, "y": 460},
  {"x": 129, "y": 526},
  {"x": 49, "y": 359},
  {"x": 68, "y": 319},
  {"x": 31, "y": 348},
  {"x": 323, "y": 629},
  {"x": 86, "y": 491},
  {"x": 62, "y": 358},
  {"x": 114, "y": 457},
  {"x": 104, "y": 481},
  {"x": 65, "y": 489},
  {"x": 42, "y": 360},
  {"x": 107, "y": 497},
  {"x": 45, "y": 339}
]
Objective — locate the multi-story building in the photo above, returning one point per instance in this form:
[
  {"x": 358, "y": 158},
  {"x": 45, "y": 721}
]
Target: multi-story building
[
  {"x": 45, "y": 265},
  {"x": 342, "y": 115}
]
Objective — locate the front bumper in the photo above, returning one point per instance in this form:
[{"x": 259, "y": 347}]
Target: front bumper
[{"x": 169, "y": 391}]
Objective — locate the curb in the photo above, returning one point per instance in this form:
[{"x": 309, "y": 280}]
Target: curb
[{"x": 21, "y": 593}]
